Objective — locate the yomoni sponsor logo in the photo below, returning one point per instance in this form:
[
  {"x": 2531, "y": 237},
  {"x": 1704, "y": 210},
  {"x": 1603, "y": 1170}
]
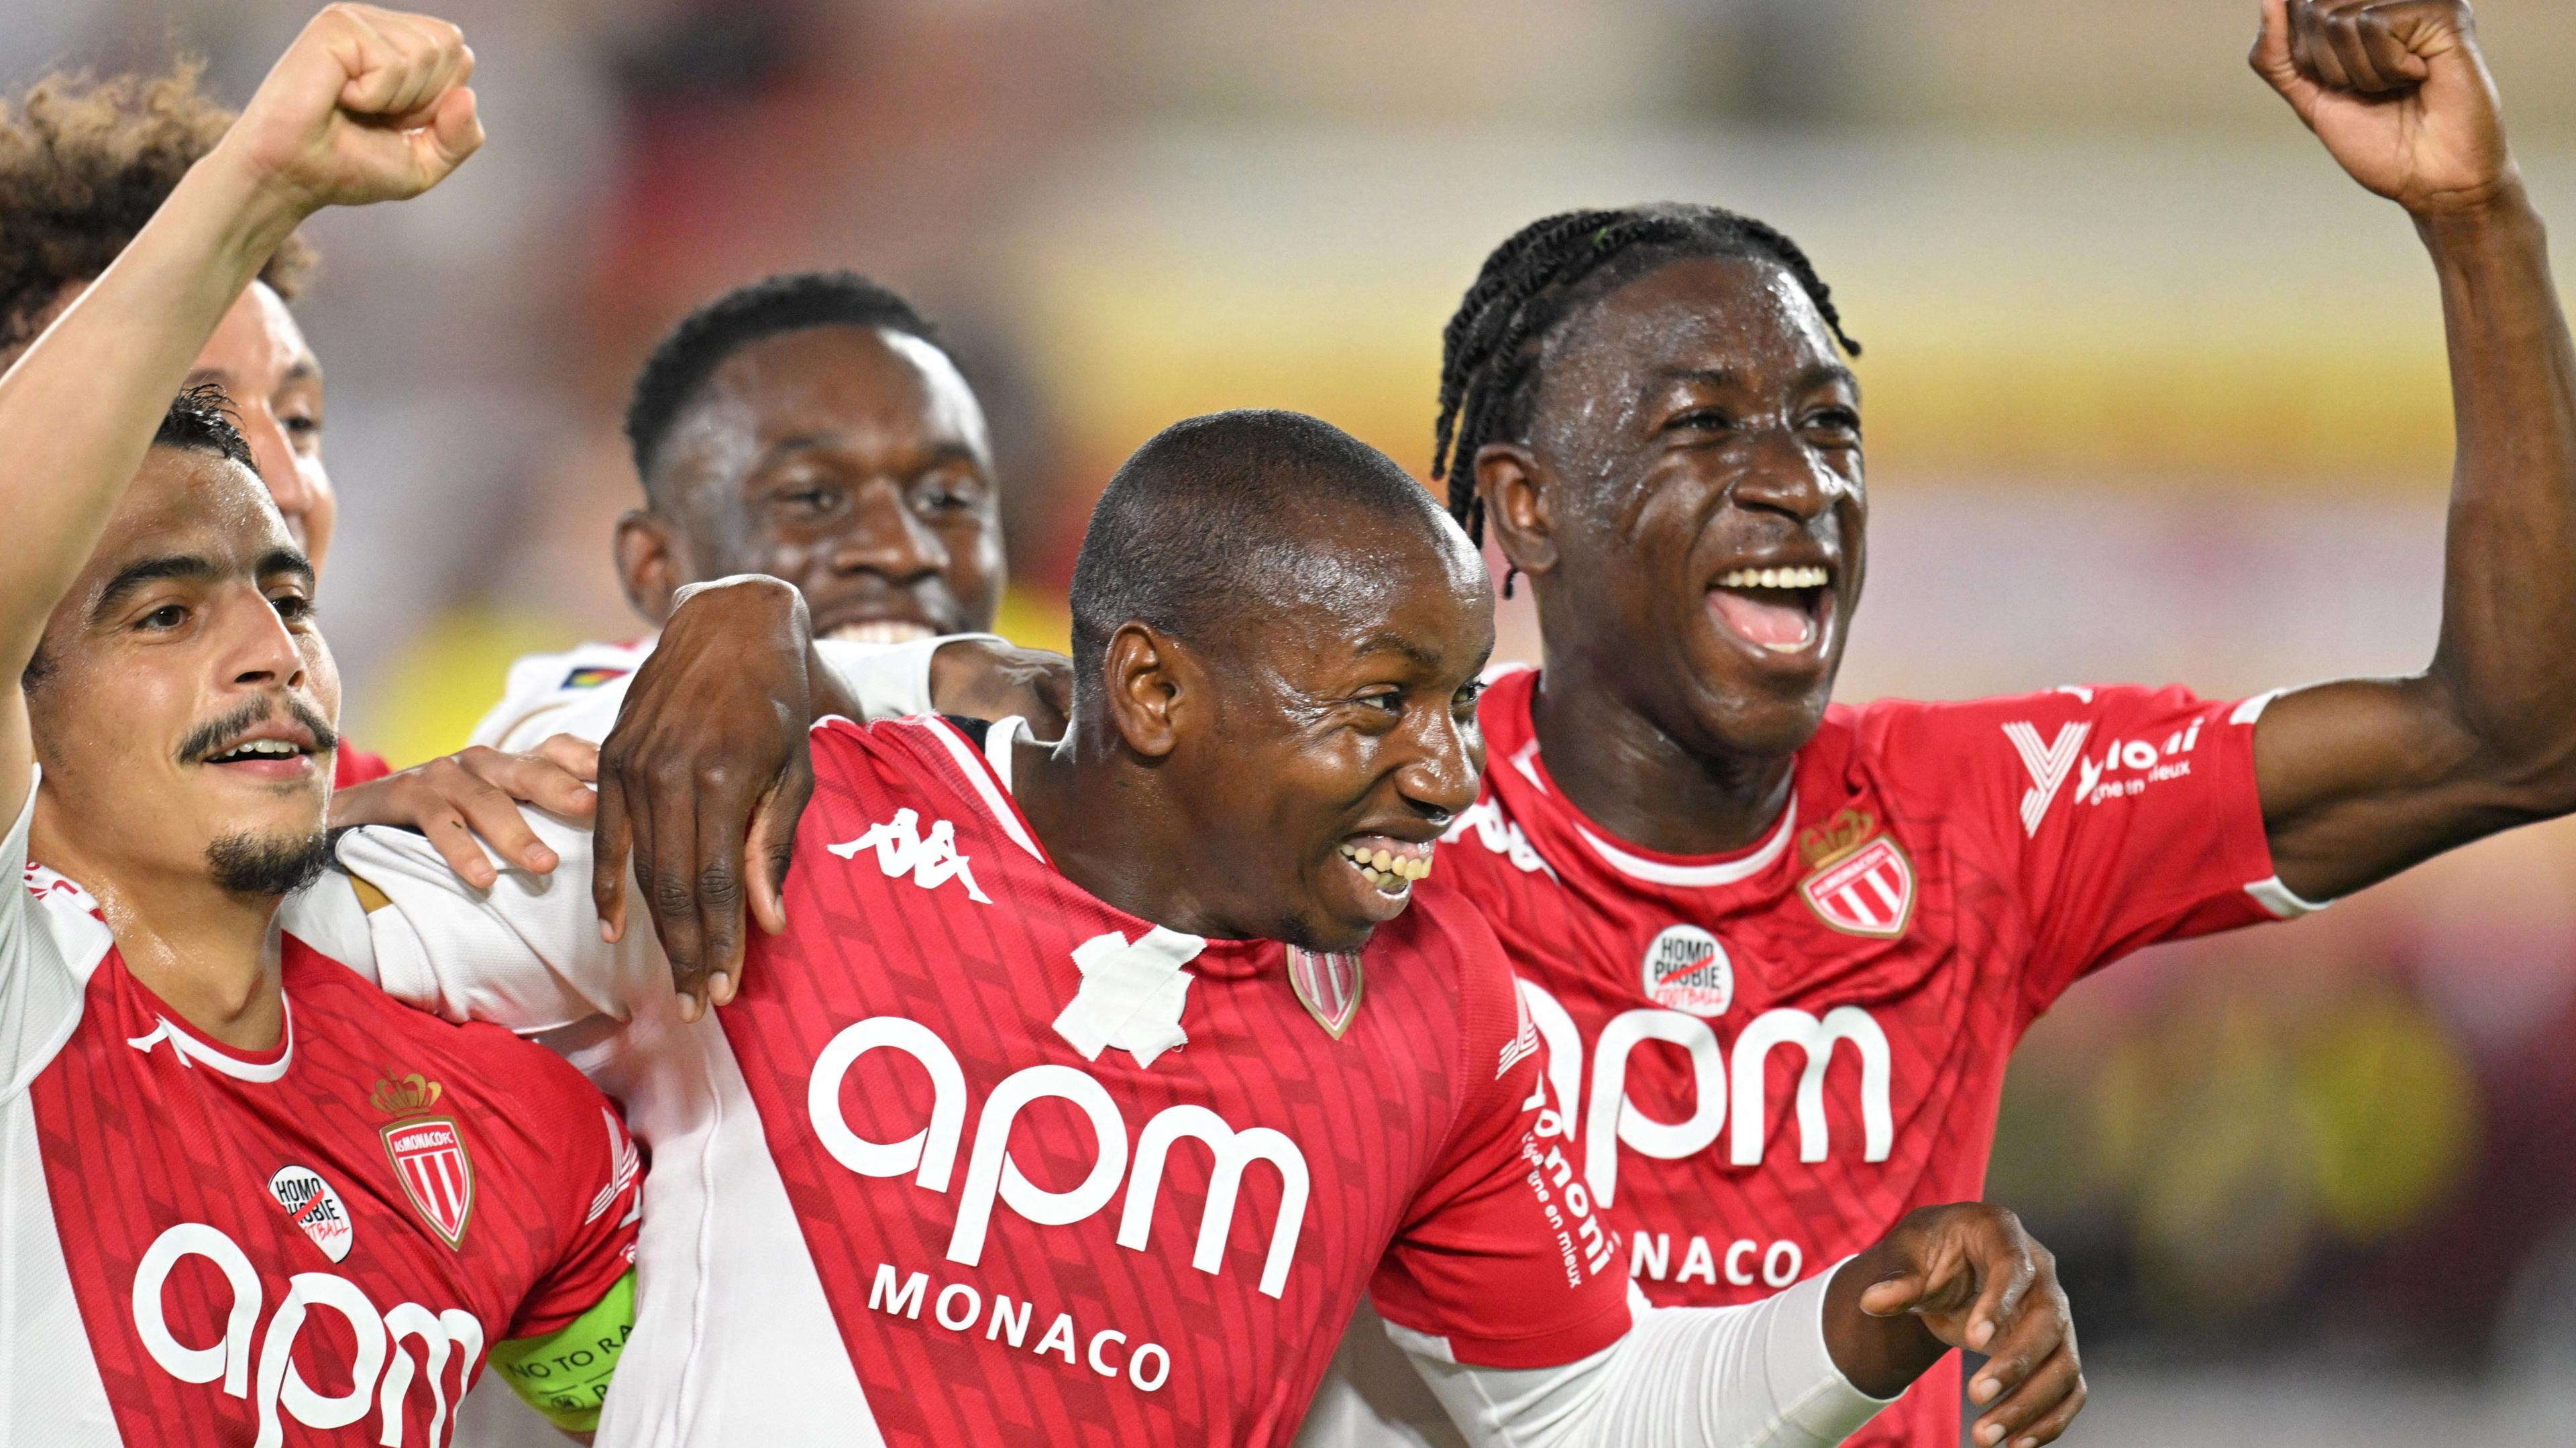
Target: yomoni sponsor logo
[
  {"x": 381, "y": 1365},
  {"x": 1732, "y": 1086},
  {"x": 994, "y": 1178}
]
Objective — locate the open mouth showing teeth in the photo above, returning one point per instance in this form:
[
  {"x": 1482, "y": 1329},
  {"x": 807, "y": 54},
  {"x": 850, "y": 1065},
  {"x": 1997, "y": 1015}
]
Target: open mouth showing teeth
[
  {"x": 1777, "y": 608},
  {"x": 879, "y": 631},
  {"x": 1391, "y": 867},
  {"x": 250, "y": 749}
]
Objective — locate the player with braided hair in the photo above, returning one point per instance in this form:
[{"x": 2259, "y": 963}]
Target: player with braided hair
[
  {"x": 1696, "y": 860},
  {"x": 1549, "y": 268}
]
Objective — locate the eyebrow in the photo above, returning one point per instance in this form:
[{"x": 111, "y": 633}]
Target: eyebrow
[
  {"x": 1387, "y": 640},
  {"x": 1817, "y": 375},
  {"x": 285, "y": 560},
  {"x": 194, "y": 568},
  {"x": 302, "y": 369},
  {"x": 786, "y": 447}
]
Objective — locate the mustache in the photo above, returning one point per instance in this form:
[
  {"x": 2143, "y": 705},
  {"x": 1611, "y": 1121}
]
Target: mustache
[{"x": 208, "y": 738}]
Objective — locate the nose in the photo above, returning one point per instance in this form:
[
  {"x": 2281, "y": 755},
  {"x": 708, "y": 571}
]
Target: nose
[
  {"x": 1440, "y": 780},
  {"x": 258, "y": 652},
  {"x": 885, "y": 538},
  {"x": 1785, "y": 476}
]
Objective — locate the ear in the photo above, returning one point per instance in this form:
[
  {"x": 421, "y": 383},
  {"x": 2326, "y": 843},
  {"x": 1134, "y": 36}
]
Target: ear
[
  {"x": 1147, "y": 679},
  {"x": 648, "y": 563},
  {"x": 1511, "y": 482}
]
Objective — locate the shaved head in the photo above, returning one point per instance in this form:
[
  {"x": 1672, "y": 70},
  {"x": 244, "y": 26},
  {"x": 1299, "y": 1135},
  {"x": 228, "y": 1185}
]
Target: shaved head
[{"x": 1220, "y": 520}]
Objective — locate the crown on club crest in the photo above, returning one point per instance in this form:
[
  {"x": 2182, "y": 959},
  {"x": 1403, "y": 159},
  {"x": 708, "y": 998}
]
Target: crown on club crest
[
  {"x": 1845, "y": 833},
  {"x": 414, "y": 1092}
]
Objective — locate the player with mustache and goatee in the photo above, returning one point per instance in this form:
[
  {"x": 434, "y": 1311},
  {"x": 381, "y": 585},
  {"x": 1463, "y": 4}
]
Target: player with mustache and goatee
[{"x": 250, "y": 1195}]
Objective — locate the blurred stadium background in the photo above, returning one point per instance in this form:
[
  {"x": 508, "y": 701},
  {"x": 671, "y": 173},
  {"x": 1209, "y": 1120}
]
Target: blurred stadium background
[{"x": 2153, "y": 393}]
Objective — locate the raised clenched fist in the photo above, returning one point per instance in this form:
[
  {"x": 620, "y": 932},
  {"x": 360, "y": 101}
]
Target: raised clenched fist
[
  {"x": 2398, "y": 92},
  {"x": 367, "y": 105}
]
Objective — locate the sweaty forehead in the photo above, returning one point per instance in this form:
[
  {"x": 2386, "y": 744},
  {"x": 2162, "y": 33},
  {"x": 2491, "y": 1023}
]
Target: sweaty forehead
[
  {"x": 184, "y": 502},
  {"x": 860, "y": 387},
  {"x": 1695, "y": 314},
  {"x": 1366, "y": 579}
]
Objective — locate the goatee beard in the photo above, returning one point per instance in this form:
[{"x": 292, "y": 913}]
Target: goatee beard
[{"x": 273, "y": 865}]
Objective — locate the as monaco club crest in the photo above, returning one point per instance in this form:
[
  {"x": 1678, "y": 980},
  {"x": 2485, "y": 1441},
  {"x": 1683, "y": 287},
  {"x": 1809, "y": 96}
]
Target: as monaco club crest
[
  {"x": 1328, "y": 986},
  {"x": 428, "y": 1155},
  {"x": 1859, "y": 882}
]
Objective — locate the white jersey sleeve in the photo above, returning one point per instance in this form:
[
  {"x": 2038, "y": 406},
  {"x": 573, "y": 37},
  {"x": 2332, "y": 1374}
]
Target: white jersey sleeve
[
  {"x": 549, "y": 693},
  {"x": 524, "y": 954},
  {"x": 1754, "y": 1376},
  {"x": 579, "y": 692},
  {"x": 41, "y": 939}
]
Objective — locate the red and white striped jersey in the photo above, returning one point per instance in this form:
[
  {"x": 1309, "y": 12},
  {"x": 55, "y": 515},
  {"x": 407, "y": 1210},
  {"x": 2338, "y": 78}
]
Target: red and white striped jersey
[
  {"x": 1764, "y": 1059},
  {"x": 1045, "y": 1170},
  {"x": 312, "y": 1244}
]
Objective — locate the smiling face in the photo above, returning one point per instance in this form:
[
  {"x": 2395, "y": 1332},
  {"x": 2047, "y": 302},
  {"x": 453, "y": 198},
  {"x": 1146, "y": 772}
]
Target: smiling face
[
  {"x": 1693, "y": 511},
  {"x": 851, "y": 462},
  {"x": 183, "y": 699},
  {"x": 1341, "y": 736}
]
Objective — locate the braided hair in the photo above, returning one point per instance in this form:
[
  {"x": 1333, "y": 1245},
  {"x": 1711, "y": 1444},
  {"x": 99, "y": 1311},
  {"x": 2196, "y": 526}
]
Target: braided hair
[{"x": 1489, "y": 351}]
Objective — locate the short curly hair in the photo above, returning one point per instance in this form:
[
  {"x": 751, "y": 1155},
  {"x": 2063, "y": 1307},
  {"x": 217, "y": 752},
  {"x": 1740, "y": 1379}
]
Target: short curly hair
[{"x": 84, "y": 162}]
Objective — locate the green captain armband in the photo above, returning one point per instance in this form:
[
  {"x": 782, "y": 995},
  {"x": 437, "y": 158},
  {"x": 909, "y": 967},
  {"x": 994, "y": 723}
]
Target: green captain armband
[{"x": 564, "y": 1375}]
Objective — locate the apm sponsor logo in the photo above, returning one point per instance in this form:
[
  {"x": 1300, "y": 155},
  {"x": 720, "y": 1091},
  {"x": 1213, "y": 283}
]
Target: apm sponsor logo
[
  {"x": 1731, "y": 1086},
  {"x": 380, "y": 1366},
  {"x": 994, "y": 1179}
]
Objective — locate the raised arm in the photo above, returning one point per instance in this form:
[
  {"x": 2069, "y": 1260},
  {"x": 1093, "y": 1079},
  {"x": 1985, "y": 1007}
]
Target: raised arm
[
  {"x": 2362, "y": 778},
  {"x": 367, "y": 105}
]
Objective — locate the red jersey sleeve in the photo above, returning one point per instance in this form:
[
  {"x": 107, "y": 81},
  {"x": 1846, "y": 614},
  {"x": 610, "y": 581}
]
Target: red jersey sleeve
[
  {"x": 598, "y": 1204},
  {"x": 1501, "y": 1261},
  {"x": 351, "y": 766},
  {"x": 2120, "y": 815}
]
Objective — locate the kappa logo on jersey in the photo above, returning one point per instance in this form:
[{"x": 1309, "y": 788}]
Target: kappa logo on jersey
[
  {"x": 1860, "y": 882},
  {"x": 284, "y": 1396},
  {"x": 992, "y": 1175},
  {"x": 428, "y": 1155},
  {"x": 931, "y": 861},
  {"x": 1328, "y": 986},
  {"x": 2049, "y": 764},
  {"x": 314, "y": 1206},
  {"x": 1688, "y": 970}
]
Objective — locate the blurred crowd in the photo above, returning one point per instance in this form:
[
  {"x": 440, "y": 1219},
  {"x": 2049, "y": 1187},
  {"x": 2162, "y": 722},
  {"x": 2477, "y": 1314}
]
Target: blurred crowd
[{"x": 2153, "y": 394}]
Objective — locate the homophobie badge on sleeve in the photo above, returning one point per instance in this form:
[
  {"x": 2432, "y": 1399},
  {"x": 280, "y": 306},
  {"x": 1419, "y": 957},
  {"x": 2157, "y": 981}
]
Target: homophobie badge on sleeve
[
  {"x": 428, "y": 1154},
  {"x": 1328, "y": 986}
]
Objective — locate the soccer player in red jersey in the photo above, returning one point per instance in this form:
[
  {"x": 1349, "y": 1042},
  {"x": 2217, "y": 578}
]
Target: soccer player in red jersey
[
  {"x": 249, "y": 1198},
  {"x": 1781, "y": 948},
  {"x": 83, "y": 165},
  {"x": 1088, "y": 1084}
]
